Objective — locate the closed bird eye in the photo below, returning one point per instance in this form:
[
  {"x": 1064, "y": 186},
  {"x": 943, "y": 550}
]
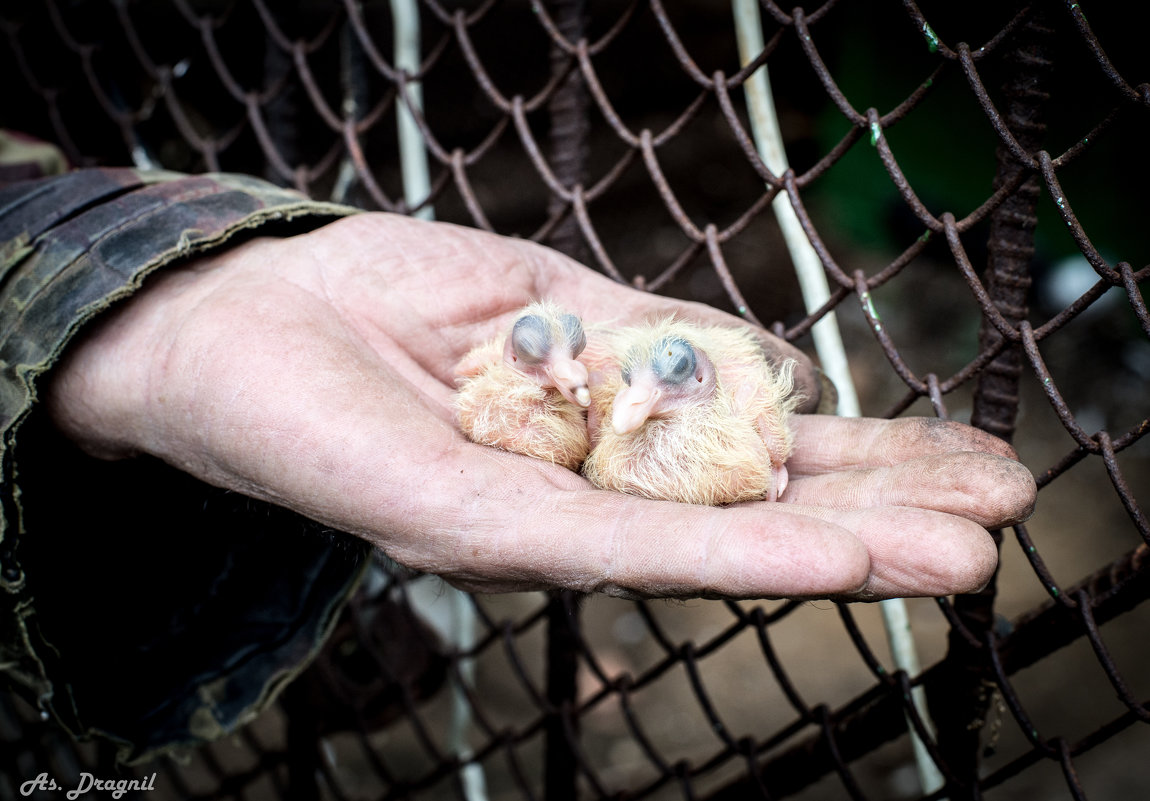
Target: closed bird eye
[
  {"x": 573, "y": 333},
  {"x": 530, "y": 340}
]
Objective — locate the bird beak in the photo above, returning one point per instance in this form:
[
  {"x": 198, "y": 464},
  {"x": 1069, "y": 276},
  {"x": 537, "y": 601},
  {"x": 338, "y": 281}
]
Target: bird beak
[
  {"x": 570, "y": 378},
  {"x": 633, "y": 406}
]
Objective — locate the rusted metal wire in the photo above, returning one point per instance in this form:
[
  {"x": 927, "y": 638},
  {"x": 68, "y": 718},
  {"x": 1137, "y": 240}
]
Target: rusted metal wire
[{"x": 625, "y": 122}]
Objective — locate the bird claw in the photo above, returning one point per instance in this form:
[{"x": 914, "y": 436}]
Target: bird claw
[{"x": 780, "y": 482}]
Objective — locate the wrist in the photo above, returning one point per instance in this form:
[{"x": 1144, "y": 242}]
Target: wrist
[{"x": 108, "y": 392}]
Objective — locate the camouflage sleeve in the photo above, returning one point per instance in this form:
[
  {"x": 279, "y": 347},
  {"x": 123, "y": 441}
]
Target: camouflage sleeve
[{"x": 135, "y": 602}]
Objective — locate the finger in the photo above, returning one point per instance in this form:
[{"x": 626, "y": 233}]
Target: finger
[
  {"x": 825, "y": 443},
  {"x": 917, "y": 552},
  {"x": 635, "y": 548},
  {"x": 547, "y": 531},
  {"x": 598, "y": 541},
  {"x": 985, "y": 488}
]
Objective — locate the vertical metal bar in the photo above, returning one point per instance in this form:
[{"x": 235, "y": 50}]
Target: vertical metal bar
[
  {"x": 562, "y": 668},
  {"x": 412, "y": 151},
  {"x": 960, "y": 711},
  {"x": 353, "y": 81},
  {"x": 568, "y": 155},
  {"x": 283, "y": 113},
  {"x": 570, "y": 125}
]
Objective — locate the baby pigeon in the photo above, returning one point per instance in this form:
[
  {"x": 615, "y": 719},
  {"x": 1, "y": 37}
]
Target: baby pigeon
[
  {"x": 688, "y": 413},
  {"x": 526, "y": 393}
]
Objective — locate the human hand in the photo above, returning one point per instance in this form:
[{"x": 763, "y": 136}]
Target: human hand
[{"x": 315, "y": 372}]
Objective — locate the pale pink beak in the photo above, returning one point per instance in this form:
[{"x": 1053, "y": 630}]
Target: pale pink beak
[
  {"x": 633, "y": 406},
  {"x": 570, "y": 378}
]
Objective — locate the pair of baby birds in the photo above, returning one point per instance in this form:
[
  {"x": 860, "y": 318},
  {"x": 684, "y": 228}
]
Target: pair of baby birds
[{"x": 668, "y": 410}]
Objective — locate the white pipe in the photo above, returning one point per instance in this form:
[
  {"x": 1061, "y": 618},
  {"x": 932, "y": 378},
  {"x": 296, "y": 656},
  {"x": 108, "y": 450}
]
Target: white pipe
[
  {"x": 416, "y": 189},
  {"x": 828, "y": 340},
  {"x": 412, "y": 153}
]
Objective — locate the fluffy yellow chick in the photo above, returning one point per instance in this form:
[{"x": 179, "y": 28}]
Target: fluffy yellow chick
[
  {"x": 525, "y": 392},
  {"x": 688, "y": 413}
]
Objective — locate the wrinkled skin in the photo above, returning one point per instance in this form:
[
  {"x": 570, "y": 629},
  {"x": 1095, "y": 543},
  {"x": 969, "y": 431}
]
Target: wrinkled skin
[{"x": 316, "y": 372}]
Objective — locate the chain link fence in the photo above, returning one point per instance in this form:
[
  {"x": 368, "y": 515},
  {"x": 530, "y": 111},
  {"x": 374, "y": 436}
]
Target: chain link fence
[{"x": 973, "y": 180}]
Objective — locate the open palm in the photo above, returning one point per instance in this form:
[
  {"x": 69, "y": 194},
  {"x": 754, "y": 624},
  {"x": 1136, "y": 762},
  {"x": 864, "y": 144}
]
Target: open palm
[{"x": 316, "y": 372}]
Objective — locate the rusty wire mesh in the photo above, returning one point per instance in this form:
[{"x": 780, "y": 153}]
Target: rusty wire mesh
[{"x": 973, "y": 177}]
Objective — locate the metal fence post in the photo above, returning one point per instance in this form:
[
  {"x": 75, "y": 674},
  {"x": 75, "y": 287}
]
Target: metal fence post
[
  {"x": 568, "y": 157},
  {"x": 570, "y": 125},
  {"x": 562, "y": 667},
  {"x": 960, "y": 711}
]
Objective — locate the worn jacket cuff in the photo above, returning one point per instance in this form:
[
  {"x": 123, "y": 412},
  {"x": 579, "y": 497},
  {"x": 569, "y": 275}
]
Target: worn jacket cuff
[{"x": 75, "y": 533}]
